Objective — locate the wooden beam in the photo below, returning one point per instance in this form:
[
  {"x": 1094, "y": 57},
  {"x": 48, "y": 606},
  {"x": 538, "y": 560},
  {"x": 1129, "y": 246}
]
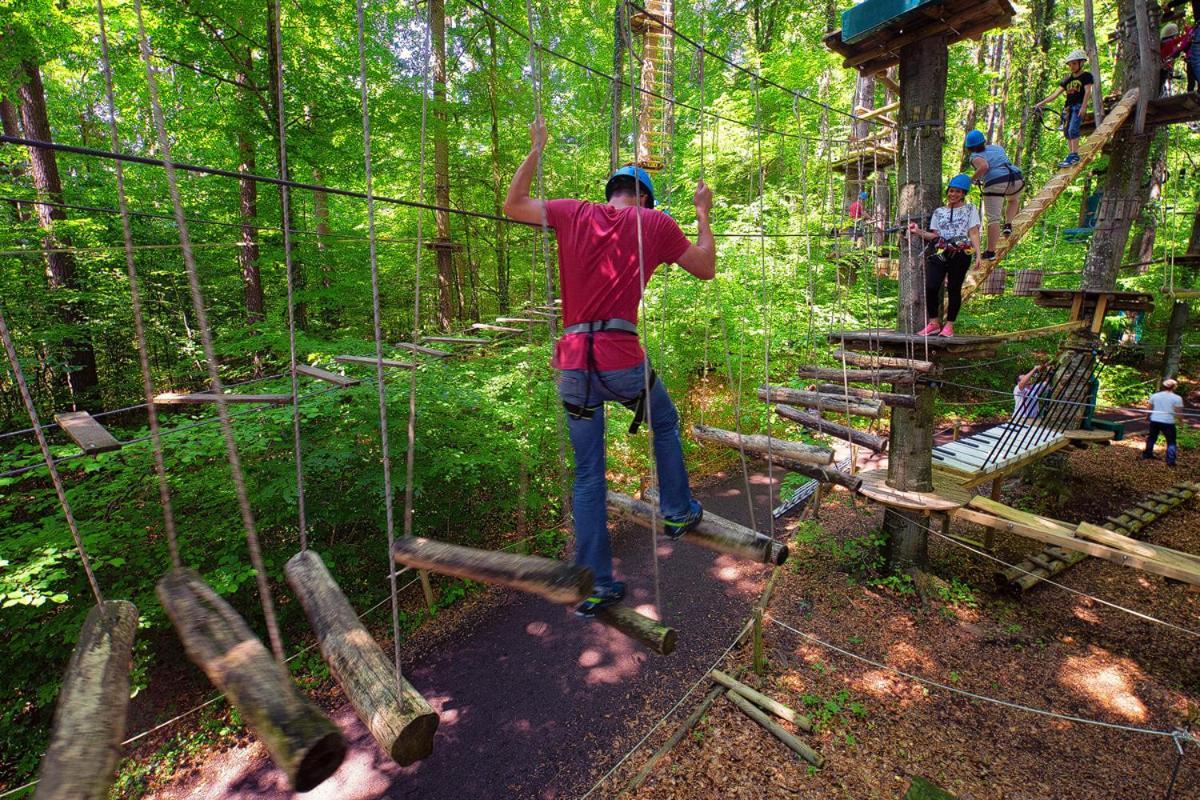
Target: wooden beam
[
  {"x": 762, "y": 701},
  {"x": 554, "y": 580},
  {"x": 855, "y": 375},
  {"x": 90, "y": 714},
  {"x": 425, "y": 351},
  {"x": 875, "y": 361},
  {"x": 799, "y": 397},
  {"x": 456, "y": 339},
  {"x": 871, "y": 113},
  {"x": 1048, "y": 330},
  {"x": 198, "y": 398},
  {"x": 86, "y": 432},
  {"x": 758, "y": 444},
  {"x": 387, "y": 362},
  {"x": 483, "y": 326},
  {"x": 882, "y": 77},
  {"x": 713, "y": 532},
  {"x": 754, "y": 713},
  {"x": 887, "y": 398},
  {"x": 647, "y": 630},
  {"x": 302, "y": 742},
  {"x": 325, "y": 375},
  {"x": 822, "y": 425}
]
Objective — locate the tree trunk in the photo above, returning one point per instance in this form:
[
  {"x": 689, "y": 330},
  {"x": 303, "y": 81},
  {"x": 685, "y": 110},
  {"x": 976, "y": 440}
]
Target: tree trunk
[
  {"x": 248, "y": 208},
  {"x": 1124, "y": 182},
  {"x": 12, "y": 127},
  {"x": 910, "y": 446},
  {"x": 441, "y": 165},
  {"x": 864, "y": 97},
  {"x": 1180, "y": 311},
  {"x": 273, "y": 51},
  {"x": 616, "y": 97},
  {"x": 1141, "y": 244},
  {"x": 500, "y": 230},
  {"x": 82, "y": 379},
  {"x": 1045, "y": 27}
]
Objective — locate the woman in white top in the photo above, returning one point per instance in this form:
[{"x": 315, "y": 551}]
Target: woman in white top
[
  {"x": 1163, "y": 406},
  {"x": 1025, "y": 395},
  {"x": 954, "y": 232}
]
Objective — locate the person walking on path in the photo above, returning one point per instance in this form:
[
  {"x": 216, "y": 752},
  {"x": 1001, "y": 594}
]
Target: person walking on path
[
  {"x": 606, "y": 254},
  {"x": 1163, "y": 407},
  {"x": 953, "y": 236},
  {"x": 1002, "y": 184},
  {"x": 1078, "y": 88}
]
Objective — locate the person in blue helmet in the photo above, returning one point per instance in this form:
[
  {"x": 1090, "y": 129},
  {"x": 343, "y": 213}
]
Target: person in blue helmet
[
  {"x": 1002, "y": 184},
  {"x": 857, "y": 213},
  {"x": 951, "y": 241},
  {"x": 606, "y": 255}
]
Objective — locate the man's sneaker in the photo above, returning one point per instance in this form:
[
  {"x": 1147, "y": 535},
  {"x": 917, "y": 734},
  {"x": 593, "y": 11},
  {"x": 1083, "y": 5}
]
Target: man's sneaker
[
  {"x": 1007, "y": 229},
  {"x": 601, "y": 598},
  {"x": 1071, "y": 160},
  {"x": 674, "y": 527},
  {"x": 988, "y": 255}
]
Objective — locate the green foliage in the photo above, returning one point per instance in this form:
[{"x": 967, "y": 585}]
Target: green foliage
[
  {"x": 835, "y": 710},
  {"x": 957, "y": 593}
]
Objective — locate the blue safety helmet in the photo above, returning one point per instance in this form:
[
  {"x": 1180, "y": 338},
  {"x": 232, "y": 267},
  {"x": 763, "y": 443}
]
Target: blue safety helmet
[
  {"x": 863, "y": 195},
  {"x": 974, "y": 139},
  {"x": 637, "y": 173},
  {"x": 960, "y": 181}
]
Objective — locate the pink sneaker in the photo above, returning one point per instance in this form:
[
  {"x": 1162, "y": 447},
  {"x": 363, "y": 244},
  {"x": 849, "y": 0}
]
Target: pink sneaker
[
  {"x": 930, "y": 330},
  {"x": 947, "y": 330}
]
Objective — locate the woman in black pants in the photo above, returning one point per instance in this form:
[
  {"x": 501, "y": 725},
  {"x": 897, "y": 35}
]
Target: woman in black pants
[{"x": 953, "y": 238}]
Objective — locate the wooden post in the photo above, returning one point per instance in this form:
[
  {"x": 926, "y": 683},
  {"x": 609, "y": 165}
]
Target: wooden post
[
  {"x": 89, "y": 719},
  {"x": 776, "y": 730},
  {"x": 757, "y": 639},
  {"x": 554, "y": 580},
  {"x": 395, "y": 713},
  {"x": 989, "y": 533},
  {"x": 301, "y": 741}
]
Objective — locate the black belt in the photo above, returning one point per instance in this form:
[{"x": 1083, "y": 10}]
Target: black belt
[{"x": 636, "y": 404}]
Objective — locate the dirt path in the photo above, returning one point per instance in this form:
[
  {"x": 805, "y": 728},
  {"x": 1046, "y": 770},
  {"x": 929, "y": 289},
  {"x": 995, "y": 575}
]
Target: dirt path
[{"x": 534, "y": 702}]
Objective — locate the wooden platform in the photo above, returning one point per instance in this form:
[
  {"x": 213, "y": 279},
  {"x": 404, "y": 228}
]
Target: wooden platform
[
  {"x": 946, "y": 495},
  {"x": 325, "y": 375},
  {"x": 1161, "y": 110},
  {"x": 86, "y": 432},
  {"x": 959, "y": 19},
  {"x": 1085, "y": 538},
  {"x": 1113, "y": 301},
  {"x": 1005, "y": 448},
  {"x": 199, "y": 398},
  {"x": 895, "y": 342},
  {"x": 866, "y": 162}
]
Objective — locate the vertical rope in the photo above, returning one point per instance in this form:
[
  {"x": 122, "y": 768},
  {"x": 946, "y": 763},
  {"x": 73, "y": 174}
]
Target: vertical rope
[
  {"x": 766, "y": 305},
  {"x": 19, "y": 375},
  {"x": 381, "y": 389},
  {"x": 276, "y": 44},
  {"x": 189, "y": 260},
  {"x": 139, "y": 326}
]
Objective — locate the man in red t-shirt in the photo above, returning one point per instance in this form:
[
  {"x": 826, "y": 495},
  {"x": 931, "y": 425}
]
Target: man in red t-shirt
[{"x": 606, "y": 255}]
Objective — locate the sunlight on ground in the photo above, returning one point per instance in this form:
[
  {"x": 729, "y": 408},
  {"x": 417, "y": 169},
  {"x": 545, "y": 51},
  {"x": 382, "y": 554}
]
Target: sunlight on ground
[
  {"x": 1108, "y": 681},
  {"x": 904, "y": 656},
  {"x": 538, "y": 629},
  {"x": 611, "y": 658}
]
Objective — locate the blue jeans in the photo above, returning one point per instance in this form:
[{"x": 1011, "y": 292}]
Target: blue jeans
[
  {"x": 592, "y": 548},
  {"x": 1072, "y": 120},
  {"x": 1167, "y": 429}
]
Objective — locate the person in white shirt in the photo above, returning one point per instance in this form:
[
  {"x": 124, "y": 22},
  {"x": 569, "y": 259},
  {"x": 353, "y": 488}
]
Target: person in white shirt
[
  {"x": 954, "y": 245},
  {"x": 1163, "y": 407},
  {"x": 1025, "y": 395}
]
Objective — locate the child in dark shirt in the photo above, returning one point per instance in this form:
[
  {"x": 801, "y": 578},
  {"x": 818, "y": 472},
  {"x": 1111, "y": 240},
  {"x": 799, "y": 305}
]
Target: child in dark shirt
[{"x": 1078, "y": 89}]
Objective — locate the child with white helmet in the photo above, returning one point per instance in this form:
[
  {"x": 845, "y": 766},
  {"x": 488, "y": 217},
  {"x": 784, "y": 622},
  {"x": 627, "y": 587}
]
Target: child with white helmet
[{"x": 1078, "y": 89}]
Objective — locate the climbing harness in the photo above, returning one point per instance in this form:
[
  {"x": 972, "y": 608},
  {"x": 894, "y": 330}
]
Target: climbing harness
[{"x": 637, "y": 403}]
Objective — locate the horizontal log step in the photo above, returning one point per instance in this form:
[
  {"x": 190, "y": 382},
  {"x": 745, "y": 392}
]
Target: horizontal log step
[
  {"x": 325, "y": 375},
  {"x": 387, "y": 362},
  {"x": 200, "y": 398}
]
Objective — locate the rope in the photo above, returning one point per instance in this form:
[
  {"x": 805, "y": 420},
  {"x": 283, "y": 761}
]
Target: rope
[
  {"x": 385, "y": 454},
  {"x": 19, "y": 375},
  {"x": 275, "y": 36},
  {"x": 972, "y": 695},
  {"x": 766, "y": 304},
  {"x": 189, "y": 260},
  {"x": 139, "y": 326}
]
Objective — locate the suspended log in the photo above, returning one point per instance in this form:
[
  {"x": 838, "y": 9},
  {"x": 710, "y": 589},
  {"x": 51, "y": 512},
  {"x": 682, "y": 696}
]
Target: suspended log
[
  {"x": 425, "y": 351},
  {"x": 455, "y": 339},
  {"x": 325, "y": 375},
  {"x": 647, "y": 630},
  {"x": 762, "y": 701},
  {"x": 821, "y": 425},
  {"x": 760, "y": 445},
  {"x": 824, "y": 402},
  {"x": 887, "y": 398},
  {"x": 172, "y": 399},
  {"x": 713, "y": 532},
  {"x": 89, "y": 719},
  {"x": 554, "y": 580},
  {"x": 776, "y": 730},
  {"x": 856, "y": 375},
  {"x": 875, "y": 361},
  {"x": 822, "y": 474},
  {"x": 392, "y": 710},
  {"x": 301, "y": 741},
  {"x": 86, "y": 432},
  {"x": 391, "y": 363}
]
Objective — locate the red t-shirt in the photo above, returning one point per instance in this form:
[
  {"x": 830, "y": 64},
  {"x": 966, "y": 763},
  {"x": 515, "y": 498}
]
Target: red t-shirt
[
  {"x": 599, "y": 273},
  {"x": 856, "y": 210}
]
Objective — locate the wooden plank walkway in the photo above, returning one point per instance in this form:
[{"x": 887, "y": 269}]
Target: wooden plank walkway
[
  {"x": 971, "y": 461},
  {"x": 1032, "y": 211},
  {"x": 86, "y": 432},
  {"x": 387, "y": 362},
  {"x": 325, "y": 375},
  {"x": 199, "y": 398}
]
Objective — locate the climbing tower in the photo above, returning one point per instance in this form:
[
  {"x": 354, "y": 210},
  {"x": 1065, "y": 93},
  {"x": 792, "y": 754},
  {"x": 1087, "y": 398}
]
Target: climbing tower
[{"x": 651, "y": 28}]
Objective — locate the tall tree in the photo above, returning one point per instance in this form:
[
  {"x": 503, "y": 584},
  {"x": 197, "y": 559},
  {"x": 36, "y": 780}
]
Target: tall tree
[
  {"x": 616, "y": 89},
  {"x": 441, "y": 166},
  {"x": 12, "y": 127},
  {"x": 61, "y": 276},
  {"x": 500, "y": 230},
  {"x": 274, "y": 51},
  {"x": 248, "y": 255},
  {"x": 1179, "y": 310},
  {"x": 923, "y": 67}
]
